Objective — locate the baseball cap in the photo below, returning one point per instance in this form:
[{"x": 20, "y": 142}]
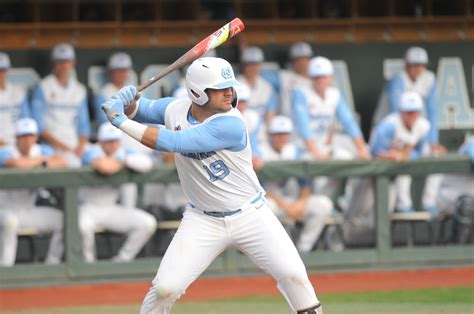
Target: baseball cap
[
  {"x": 252, "y": 55},
  {"x": 300, "y": 50},
  {"x": 410, "y": 102},
  {"x": 63, "y": 52},
  {"x": 416, "y": 55},
  {"x": 280, "y": 124},
  {"x": 107, "y": 132},
  {"x": 26, "y": 126},
  {"x": 243, "y": 92},
  {"x": 4, "y": 61},
  {"x": 120, "y": 61},
  {"x": 320, "y": 66}
]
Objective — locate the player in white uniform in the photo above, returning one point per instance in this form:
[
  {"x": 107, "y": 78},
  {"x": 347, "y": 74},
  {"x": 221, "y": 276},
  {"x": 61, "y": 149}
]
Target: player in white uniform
[
  {"x": 315, "y": 111},
  {"x": 59, "y": 106},
  {"x": 291, "y": 198},
  {"x": 99, "y": 204},
  {"x": 295, "y": 77},
  {"x": 263, "y": 97},
  {"x": 415, "y": 77},
  {"x": 17, "y": 206},
  {"x": 227, "y": 207},
  {"x": 13, "y": 103},
  {"x": 399, "y": 137}
]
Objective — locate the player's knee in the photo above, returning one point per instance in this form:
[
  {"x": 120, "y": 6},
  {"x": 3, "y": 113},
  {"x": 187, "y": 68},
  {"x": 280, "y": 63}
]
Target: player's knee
[
  {"x": 166, "y": 292},
  {"x": 320, "y": 205},
  {"x": 150, "y": 224},
  {"x": 9, "y": 221}
]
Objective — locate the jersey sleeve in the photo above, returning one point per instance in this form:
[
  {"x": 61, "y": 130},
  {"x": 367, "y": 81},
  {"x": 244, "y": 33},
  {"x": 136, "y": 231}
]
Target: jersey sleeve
[
  {"x": 347, "y": 120},
  {"x": 432, "y": 115},
  {"x": 152, "y": 111},
  {"x": 382, "y": 139},
  {"x": 46, "y": 150},
  {"x": 38, "y": 107},
  {"x": 5, "y": 154},
  {"x": 224, "y": 132},
  {"x": 83, "y": 122},
  {"x": 90, "y": 155},
  {"x": 394, "y": 91},
  {"x": 300, "y": 114},
  {"x": 272, "y": 102}
]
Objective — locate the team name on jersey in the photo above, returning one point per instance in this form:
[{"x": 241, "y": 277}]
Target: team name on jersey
[{"x": 198, "y": 156}]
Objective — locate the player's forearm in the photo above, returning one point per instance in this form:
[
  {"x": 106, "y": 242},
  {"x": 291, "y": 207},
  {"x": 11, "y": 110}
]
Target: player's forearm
[
  {"x": 55, "y": 162},
  {"x": 24, "y": 163},
  {"x": 146, "y": 135}
]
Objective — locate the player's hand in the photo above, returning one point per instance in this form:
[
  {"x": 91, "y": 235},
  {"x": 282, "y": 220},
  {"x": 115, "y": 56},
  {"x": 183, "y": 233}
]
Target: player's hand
[
  {"x": 127, "y": 94},
  {"x": 438, "y": 149},
  {"x": 114, "y": 110}
]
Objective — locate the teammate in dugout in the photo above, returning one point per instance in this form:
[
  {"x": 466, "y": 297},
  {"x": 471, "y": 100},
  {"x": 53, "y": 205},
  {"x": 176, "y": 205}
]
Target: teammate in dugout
[
  {"x": 17, "y": 206},
  {"x": 227, "y": 207},
  {"x": 59, "y": 106},
  {"x": 291, "y": 198},
  {"x": 99, "y": 204}
]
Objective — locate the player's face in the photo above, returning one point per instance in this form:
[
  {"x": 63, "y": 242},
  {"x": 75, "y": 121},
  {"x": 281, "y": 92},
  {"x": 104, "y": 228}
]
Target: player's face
[
  {"x": 119, "y": 77},
  {"x": 409, "y": 118},
  {"x": 415, "y": 70},
  {"x": 63, "y": 69},
  {"x": 279, "y": 140},
  {"x": 321, "y": 83},
  {"x": 220, "y": 100},
  {"x": 251, "y": 70},
  {"x": 25, "y": 142},
  {"x": 300, "y": 66},
  {"x": 110, "y": 147}
]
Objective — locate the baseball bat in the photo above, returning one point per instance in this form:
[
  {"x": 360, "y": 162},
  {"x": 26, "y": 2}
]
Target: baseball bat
[{"x": 212, "y": 41}]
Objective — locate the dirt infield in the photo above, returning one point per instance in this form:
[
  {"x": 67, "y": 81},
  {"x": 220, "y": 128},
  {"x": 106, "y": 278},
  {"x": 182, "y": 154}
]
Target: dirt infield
[{"x": 217, "y": 288}]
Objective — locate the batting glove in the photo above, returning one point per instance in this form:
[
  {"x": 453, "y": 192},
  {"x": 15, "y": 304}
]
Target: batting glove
[
  {"x": 127, "y": 95},
  {"x": 114, "y": 109}
]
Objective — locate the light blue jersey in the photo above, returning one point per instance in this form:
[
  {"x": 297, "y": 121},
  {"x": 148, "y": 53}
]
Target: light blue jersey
[
  {"x": 213, "y": 159},
  {"x": 61, "y": 110},
  {"x": 425, "y": 85},
  {"x": 314, "y": 117},
  {"x": 391, "y": 133}
]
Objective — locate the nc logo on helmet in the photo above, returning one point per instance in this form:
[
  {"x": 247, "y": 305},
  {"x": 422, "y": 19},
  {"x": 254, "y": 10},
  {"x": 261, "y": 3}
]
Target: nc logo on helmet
[{"x": 227, "y": 73}]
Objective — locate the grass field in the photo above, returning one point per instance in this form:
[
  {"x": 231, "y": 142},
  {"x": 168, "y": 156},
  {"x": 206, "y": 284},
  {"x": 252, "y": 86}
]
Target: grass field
[{"x": 421, "y": 301}]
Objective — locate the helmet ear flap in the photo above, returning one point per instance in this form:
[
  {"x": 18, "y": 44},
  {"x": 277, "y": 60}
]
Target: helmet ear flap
[{"x": 197, "y": 95}]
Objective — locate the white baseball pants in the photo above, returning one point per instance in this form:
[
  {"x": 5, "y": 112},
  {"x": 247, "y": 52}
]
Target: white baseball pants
[
  {"x": 200, "y": 238},
  {"x": 44, "y": 219},
  {"x": 136, "y": 223}
]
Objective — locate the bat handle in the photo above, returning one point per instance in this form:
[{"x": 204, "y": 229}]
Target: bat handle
[{"x": 137, "y": 96}]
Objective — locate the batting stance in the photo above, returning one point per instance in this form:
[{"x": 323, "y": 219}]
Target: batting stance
[{"x": 227, "y": 208}]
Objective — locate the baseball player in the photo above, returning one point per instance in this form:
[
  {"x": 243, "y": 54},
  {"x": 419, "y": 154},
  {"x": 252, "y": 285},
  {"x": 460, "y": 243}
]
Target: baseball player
[
  {"x": 227, "y": 205},
  {"x": 314, "y": 112},
  {"x": 13, "y": 103},
  {"x": 59, "y": 106},
  {"x": 415, "y": 77},
  {"x": 98, "y": 204},
  {"x": 17, "y": 206},
  {"x": 263, "y": 98},
  {"x": 400, "y": 136},
  {"x": 290, "y": 199},
  {"x": 296, "y": 77}
]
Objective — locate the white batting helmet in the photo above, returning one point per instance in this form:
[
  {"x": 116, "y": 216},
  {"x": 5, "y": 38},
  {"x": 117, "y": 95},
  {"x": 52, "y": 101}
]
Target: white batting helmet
[{"x": 204, "y": 73}]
